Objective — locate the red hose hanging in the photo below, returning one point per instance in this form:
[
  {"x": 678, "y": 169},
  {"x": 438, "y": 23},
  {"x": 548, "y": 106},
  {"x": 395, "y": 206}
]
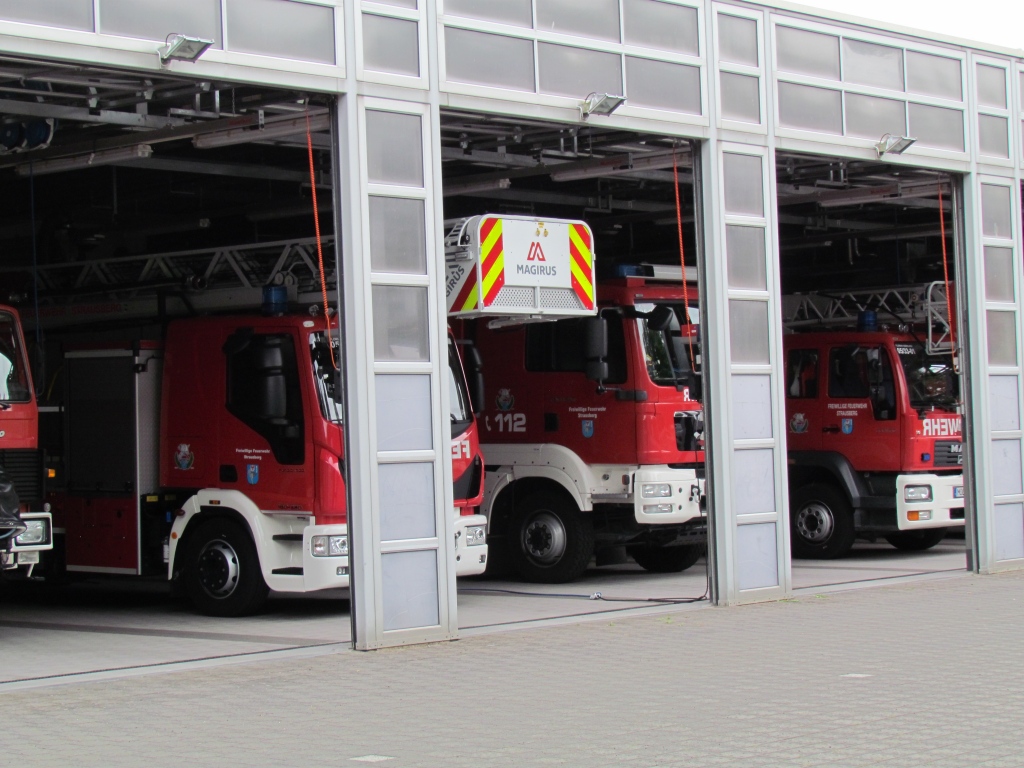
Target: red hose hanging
[
  {"x": 319, "y": 246},
  {"x": 945, "y": 276},
  {"x": 682, "y": 259}
]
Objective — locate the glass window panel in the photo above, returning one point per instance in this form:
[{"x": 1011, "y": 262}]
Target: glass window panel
[
  {"x": 991, "y": 85},
  {"x": 398, "y": 3},
  {"x": 1003, "y": 403},
  {"x": 403, "y": 412},
  {"x": 741, "y": 99},
  {"x": 934, "y": 76},
  {"x": 394, "y": 148},
  {"x": 663, "y": 85},
  {"x": 400, "y": 323},
  {"x": 999, "y": 273},
  {"x": 390, "y": 45},
  {"x": 1006, "y": 467},
  {"x": 397, "y": 235},
  {"x": 753, "y": 482},
  {"x": 937, "y": 127},
  {"x": 752, "y": 411},
  {"x": 744, "y": 193},
  {"x": 406, "y": 493},
  {"x": 70, "y": 14},
  {"x": 576, "y": 72},
  {"x": 872, "y": 117},
  {"x": 757, "y": 556},
  {"x": 409, "y": 589},
  {"x": 871, "y": 64},
  {"x": 156, "y": 19},
  {"x": 517, "y": 12},
  {"x": 1009, "y": 525},
  {"x": 599, "y": 20},
  {"x": 808, "y": 53},
  {"x": 813, "y": 109},
  {"x": 748, "y": 331},
  {"x": 996, "y": 211},
  {"x": 993, "y": 136},
  {"x": 1002, "y": 337},
  {"x": 737, "y": 39},
  {"x": 276, "y": 28},
  {"x": 476, "y": 57},
  {"x": 660, "y": 25},
  {"x": 745, "y": 253}
]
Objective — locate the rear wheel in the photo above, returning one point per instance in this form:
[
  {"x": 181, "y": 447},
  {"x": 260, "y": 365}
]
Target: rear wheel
[
  {"x": 665, "y": 559},
  {"x": 551, "y": 541},
  {"x": 222, "y": 575},
  {"x": 917, "y": 541},
  {"x": 821, "y": 522}
]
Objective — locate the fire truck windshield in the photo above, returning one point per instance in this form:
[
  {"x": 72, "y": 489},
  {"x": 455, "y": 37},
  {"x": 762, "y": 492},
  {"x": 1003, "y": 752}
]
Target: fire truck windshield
[
  {"x": 327, "y": 388},
  {"x": 458, "y": 393},
  {"x": 668, "y": 351},
  {"x": 13, "y": 373},
  {"x": 931, "y": 380}
]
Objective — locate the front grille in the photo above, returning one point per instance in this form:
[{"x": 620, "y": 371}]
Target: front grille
[
  {"x": 24, "y": 468},
  {"x": 948, "y": 453}
]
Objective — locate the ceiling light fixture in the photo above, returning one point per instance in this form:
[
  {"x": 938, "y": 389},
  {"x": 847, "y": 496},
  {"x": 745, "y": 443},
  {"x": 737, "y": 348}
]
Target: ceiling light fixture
[
  {"x": 182, "y": 48},
  {"x": 600, "y": 104},
  {"x": 103, "y": 157},
  {"x": 893, "y": 145},
  {"x": 275, "y": 130}
]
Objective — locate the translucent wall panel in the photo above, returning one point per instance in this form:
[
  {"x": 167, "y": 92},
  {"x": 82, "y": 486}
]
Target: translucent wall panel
[
  {"x": 748, "y": 332},
  {"x": 752, "y": 414},
  {"x": 737, "y": 40},
  {"x": 991, "y": 84},
  {"x": 1002, "y": 337},
  {"x": 284, "y": 29},
  {"x": 70, "y": 14},
  {"x": 744, "y": 183},
  {"x": 740, "y": 97},
  {"x": 394, "y": 148},
  {"x": 996, "y": 214},
  {"x": 934, "y": 76},
  {"x": 406, "y": 501},
  {"x": 496, "y": 60},
  {"x": 517, "y": 12},
  {"x": 993, "y": 136},
  {"x": 663, "y": 85},
  {"x": 1009, "y": 531},
  {"x": 745, "y": 253},
  {"x": 1006, "y": 468},
  {"x": 567, "y": 71},
  {"x": 410, "y": 4},
  {"x": 1004, "y": 405},
  {"x": 871, "y": 117},
  {"x": 753, "y": 479},
  {"x": 757, "y": 556},
  {"x": 870, "y": 64},
  {"x": 937, "y": 127},
  {"x": 599, "y": 20},
  {"x": 807, "y": 53},
  {"x": 400, "y": 323},
  {"x": 156, "y": 19},
  {"x": 812, "y": 109},
  {"x": 999, "y": 273},
  {"x": 405, "y": 608},
  {"x": 397, "y": 241},
  {"x": 390, "y": 45},
  {"x": 403, "y": 412},
  {"x": 660, "y": 25}
]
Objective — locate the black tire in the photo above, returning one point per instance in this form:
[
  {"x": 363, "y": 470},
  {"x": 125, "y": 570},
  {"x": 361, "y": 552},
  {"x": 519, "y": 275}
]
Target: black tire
[
  {"x": 665, "y": 559},
  {"x": 221, "y": 573},
  {"x": 917, "y": 541},
  {"x": 551, "y": 541},
  {"x": 820, "y": 522}
]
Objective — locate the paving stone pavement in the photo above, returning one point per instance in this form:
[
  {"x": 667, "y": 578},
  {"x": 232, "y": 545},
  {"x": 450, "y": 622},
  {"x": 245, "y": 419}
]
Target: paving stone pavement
[{"x": 926, "y": 673}]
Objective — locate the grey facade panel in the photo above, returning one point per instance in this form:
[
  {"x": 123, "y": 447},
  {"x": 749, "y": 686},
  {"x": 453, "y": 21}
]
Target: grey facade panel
[
  {"x": 485, "y": 59},
  {"x": 280, "y": 28}
]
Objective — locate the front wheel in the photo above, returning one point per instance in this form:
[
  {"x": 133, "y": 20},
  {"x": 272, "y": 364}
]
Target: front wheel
[
  {"x": 665, "y": 559},
  {"x": 222, "y": 575},
  {"x": 821, "y": 522},
  {"x": 552, "y": 541},
  {"x": 917, "y": 541}
]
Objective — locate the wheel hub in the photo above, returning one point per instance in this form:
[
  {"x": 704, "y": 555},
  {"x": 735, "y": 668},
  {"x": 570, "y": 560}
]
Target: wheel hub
[
  {"x": 815, "y": 522},
  {"x": 218, "y": 569},
  {"x": 544, "y": 538}
]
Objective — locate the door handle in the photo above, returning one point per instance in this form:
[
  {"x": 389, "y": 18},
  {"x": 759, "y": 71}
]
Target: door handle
[{"x": 830, "y": 429}]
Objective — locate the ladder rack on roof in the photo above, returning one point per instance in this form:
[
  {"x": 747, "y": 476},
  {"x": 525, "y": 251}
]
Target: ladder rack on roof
[{"x": 916, "y": 305}]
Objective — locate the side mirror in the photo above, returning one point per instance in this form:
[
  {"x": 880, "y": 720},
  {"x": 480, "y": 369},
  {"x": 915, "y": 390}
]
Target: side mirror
[
  {"x": 473, "y": 364},
  {"x": 597, "y": 370},
  {"x": 696, "y": 386},
  {"x": 595, "y": 338},
  {"x": 661, "y": 317}
]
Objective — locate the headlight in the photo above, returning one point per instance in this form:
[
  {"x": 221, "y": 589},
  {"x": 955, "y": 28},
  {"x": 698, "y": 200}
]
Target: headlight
[
  {"x": 917, "y": 493},
  {"x": 657, "y": 509},
  {"x": 655, "y": 490},
  {"x": 329, "y": 546},
  {"x": 35, "y": 533},
  {"x": 475, "y": 534}
]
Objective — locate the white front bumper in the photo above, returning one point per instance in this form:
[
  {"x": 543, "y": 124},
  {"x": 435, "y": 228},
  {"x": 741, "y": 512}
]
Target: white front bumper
[
  {"x": 944, "y": 500},
  {"x": 321, "y": 572},
  {"x": 469, "y": 561},
  {"x": 681, "y": 505}
]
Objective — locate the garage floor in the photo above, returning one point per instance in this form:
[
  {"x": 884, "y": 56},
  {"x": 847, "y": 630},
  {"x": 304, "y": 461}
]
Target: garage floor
[{"x": 113, "y": 628}]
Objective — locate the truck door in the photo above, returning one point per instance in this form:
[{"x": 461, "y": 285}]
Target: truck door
[
  {"x": 803, "y": 399},
  {"x": 861, "y": 416}
]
